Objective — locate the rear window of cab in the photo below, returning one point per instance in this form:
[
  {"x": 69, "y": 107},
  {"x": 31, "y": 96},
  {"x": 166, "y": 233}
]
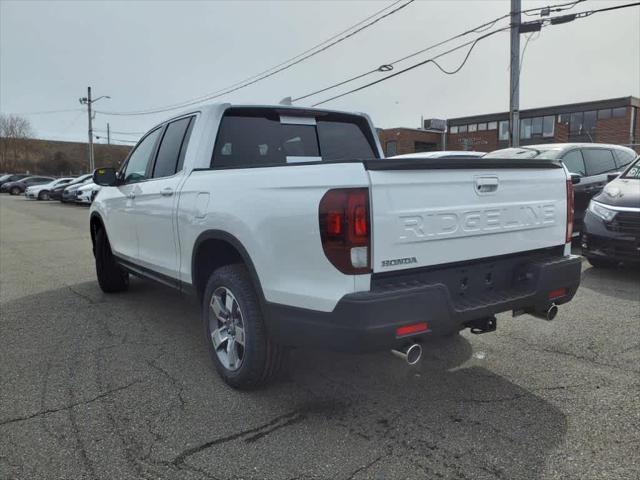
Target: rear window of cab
[{"x": 266, "y": 137}]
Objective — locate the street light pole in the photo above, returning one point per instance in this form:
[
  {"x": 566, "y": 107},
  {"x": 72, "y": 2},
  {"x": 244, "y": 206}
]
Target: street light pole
[{"x": 514, "y": 83}]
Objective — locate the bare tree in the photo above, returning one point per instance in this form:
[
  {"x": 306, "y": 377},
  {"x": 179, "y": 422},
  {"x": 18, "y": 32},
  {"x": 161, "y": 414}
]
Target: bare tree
[{"x": 15, "y": 131}]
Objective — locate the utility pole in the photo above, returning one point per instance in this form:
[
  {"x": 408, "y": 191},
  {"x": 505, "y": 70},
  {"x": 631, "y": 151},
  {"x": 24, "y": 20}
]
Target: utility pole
[
  {"x": 514, "y": 83},
  {"x": 89, "y": 101},
  {"x": 108, "y": 135}
]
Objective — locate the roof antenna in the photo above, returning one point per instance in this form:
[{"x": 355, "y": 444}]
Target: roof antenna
[{"x": 286, "y": 101}]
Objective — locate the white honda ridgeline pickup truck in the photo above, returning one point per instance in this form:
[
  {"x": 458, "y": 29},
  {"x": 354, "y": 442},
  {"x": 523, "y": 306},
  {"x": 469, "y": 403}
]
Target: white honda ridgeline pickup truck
[{"x": 294, "y": 231}]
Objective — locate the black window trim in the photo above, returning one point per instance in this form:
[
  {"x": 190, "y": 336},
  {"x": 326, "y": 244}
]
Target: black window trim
[
  {"x": 163, "y": 126},
  {"x": 157, "y": 149}
]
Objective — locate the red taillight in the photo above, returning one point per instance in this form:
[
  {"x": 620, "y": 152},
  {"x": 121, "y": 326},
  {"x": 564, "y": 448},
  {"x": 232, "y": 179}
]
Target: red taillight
[
  {"x": 569, "y": 211},
  {"x": 334, "y": 223},
  {"x": 344, "y": 229},
  {"x": 560, "y": 292},
  {"x": 412, "y": 329}
]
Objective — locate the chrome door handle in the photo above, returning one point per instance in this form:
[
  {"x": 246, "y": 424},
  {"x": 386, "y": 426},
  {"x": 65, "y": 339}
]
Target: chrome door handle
[{"x": 166, "y": 192}]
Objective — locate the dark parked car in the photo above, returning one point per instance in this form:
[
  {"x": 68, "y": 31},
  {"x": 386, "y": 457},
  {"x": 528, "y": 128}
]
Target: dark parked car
[
  {"x": 590, "y": 162},
  {"x": 11, "y": 177},
  {"x": 18, "y": 188},
  {"x": 56, "y": 193},
  {"x": 611, "y": 232}
]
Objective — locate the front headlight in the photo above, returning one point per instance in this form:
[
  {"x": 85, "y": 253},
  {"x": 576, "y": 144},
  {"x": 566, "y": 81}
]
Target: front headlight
[{"x": 601, "y": 211}]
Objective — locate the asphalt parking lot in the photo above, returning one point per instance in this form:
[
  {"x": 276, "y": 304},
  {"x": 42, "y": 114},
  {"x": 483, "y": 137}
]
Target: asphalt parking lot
[{"x": 96, "y": 386}]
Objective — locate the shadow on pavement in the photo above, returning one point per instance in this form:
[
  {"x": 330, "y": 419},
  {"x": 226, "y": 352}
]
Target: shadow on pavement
[
  {"x": 121, "y": 385},
  {"x": 622, "y": 282}
]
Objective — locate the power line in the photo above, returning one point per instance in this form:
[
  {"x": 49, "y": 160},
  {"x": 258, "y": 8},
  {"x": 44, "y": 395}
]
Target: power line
[
  {"x": 540, "y": 23},
  {"x": 389, "y": 66},
  {"x": 545, "y": 11},
  {"x": 424, "y": 62},
  {"x": 48, "y": 112},
  {"x": 118, "y": 133},
  {"x": 321, "y": 47},
  {"x": 98, "y": 137}
]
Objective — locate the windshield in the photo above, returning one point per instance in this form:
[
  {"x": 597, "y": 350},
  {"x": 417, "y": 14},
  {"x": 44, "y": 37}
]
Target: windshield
[
  {"x": 80, "y": 180},
  {"x": 526, "y": 152},
  {"x": 633, "y": 171}
]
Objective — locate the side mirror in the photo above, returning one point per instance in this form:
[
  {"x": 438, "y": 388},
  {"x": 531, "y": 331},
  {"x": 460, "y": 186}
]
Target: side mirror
[
  {"x": 612, "y": 176},
  {"x": 575, "y": 178},
  {"x": 107, "y": 176}
]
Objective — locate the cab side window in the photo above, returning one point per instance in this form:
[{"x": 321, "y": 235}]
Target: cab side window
[
  {"x": 173, "y": 143},
  {"x": 136, "y": 169},
  {"x": 598, "y": 160},
  {"x": 574, "y": 162}
]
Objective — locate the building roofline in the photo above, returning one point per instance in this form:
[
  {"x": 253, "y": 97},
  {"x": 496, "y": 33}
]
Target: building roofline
[
  {"x": 423, "y": 130},
  {"x": 550, "y": 110}
]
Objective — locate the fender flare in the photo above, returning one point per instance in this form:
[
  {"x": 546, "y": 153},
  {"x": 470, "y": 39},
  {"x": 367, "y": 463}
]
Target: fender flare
[{"x": 235, "y": 243}]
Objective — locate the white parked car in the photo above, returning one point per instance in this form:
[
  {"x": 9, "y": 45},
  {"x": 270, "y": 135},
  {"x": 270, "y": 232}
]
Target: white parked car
[
  {"x": 294, "y": 231},
  {"x": 41, "y": 192},
  {"x": 86, "y": 193}
]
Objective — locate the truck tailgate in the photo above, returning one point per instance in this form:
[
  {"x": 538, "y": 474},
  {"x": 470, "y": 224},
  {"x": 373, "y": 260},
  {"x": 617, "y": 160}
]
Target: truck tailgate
[{"x": 436, "y": 212}]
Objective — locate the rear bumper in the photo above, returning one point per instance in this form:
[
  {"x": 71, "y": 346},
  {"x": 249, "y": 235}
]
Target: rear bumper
[{"x": 367, "y": 321}]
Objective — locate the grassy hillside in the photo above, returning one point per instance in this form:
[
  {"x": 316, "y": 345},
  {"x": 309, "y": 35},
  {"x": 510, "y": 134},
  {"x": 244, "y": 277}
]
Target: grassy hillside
[{"x": 55, "y": 157}]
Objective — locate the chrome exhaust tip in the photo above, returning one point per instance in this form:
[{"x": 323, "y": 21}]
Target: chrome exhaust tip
[
  {"x": 410, "y": 354},
  {"x": 552, "y": 312},
  {"x": 548, "y": 314}
]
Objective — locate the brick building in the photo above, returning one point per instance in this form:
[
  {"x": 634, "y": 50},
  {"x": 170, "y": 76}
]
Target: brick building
[{"x": 614, "y": 121}]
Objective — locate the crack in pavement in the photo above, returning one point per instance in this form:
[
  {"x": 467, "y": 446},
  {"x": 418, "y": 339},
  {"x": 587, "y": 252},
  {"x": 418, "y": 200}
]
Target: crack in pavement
[
  {"x": 267, "y": 428},
  {"x": 364, "y": 467},
  {"x": 67, "y": 407},
  {"x": 576, "y": 356}
]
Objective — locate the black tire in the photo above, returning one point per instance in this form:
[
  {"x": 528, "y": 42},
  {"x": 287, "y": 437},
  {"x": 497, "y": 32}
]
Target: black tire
[
  {"x": 602, "y": 262},
  {"x": 262, "y": 359},
  {"x": 15, "y": 191},
  {"x": 111, "y": 277},
  {"x": 43, "y": 195}
]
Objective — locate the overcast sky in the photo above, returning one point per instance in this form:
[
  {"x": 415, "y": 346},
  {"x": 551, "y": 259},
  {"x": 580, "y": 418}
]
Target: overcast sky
[{"x": 156, "y": 53}]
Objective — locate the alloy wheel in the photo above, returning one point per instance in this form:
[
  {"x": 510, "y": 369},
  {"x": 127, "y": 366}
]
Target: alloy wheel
[{"x": 226, "y": 328}]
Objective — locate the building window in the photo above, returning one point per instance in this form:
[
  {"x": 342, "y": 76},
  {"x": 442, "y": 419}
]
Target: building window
[
  {"x": 536, "y": 127},
  {"x": 503, "y": 134},
  {"x": 453, "y": 129},
  {"x": 462, "y": 129},
  {"x": 482, "y": 127},
  {"x": 575, "y": 122},
  {"x": 564, "y": 118},
  {"x": 589, "y": 121},
  {"x": 604, "y": 114},
  {"x": 547, "y": 126},
  {"x": 424, "y": 147},
  {"x": 619, "y": 112},
  {"x": 492, "y": 125},
  {"x": 473, "y": 127},
  {"x": 525, "y": 128},
  {"x": 392, "y": 148}
]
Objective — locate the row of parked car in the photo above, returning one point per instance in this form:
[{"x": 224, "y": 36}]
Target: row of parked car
[{"x": 67, "y": 189}]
